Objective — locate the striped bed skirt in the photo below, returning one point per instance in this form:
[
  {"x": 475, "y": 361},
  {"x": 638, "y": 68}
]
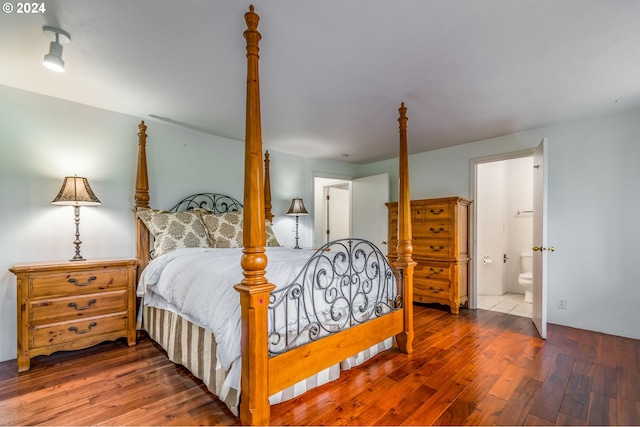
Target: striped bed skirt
[{"x": 194, "y": 348}]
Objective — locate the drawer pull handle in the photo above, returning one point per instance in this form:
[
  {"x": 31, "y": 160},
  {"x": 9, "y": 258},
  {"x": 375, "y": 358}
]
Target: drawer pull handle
[
  {"x": 436, "y": 213},
  {"x": 75, "y": 281},
  {"x": 436, "y": 291},
  {"x": 434, "y": 272},
  {"x": 74, "y": 329},
  {"x": 74, "y": 305},
  {"x": 440, "y": 230},
  {"x": 433, "y": 248}
]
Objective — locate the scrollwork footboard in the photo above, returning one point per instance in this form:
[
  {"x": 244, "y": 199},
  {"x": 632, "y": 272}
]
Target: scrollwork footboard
[{"x": 346, "y": 282}]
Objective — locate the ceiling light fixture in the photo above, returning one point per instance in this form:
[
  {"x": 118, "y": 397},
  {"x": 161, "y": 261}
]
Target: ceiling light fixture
[{"x": 53, "y": 60}]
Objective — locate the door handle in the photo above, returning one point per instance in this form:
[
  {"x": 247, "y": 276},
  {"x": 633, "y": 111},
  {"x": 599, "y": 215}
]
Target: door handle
[{"x": 539, "y": 248}]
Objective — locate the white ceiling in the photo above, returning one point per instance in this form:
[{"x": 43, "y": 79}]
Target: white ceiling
[{"x": 333, "y": 72}]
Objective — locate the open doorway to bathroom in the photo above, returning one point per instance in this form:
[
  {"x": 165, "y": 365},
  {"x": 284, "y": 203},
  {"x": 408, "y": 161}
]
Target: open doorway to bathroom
[{"x": 504, "y": 233}]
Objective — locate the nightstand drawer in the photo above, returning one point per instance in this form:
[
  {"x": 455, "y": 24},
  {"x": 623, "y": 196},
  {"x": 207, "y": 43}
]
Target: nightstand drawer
[
  {"x": 65, "y": 332},
  {"x": 77, "y": 282},
  {"x": 77, "y": 306}
]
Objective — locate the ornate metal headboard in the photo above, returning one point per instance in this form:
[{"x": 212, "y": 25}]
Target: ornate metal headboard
[{"x": 218, "y": 203}]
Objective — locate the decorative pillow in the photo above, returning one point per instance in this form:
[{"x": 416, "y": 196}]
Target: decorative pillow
[
  {"x": 174, "y": 230},
  {"x": 271, "y": 236},
  {"x": 225, "y": 230}
]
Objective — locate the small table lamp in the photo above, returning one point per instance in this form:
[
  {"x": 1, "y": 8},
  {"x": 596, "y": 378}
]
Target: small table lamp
[
  {"x": 76, "y": 192},
  {"x": 297, "y": 209}
]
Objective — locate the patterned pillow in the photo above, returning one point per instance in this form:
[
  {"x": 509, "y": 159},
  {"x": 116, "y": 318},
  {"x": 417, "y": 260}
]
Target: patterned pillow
[
  {"x": 271, "y": 236},
  {"x": 225, "y": 230},
  {"x": 174, "y": 230}
]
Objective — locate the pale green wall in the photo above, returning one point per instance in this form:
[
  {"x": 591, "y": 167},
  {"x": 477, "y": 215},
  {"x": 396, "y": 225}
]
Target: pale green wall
[
  {"x": 593, "y": 195},
  {"x": 593, "y": 205},
  {"x": 43, "y": 139}
]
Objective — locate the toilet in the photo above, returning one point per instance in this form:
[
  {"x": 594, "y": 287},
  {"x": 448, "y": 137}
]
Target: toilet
[{"x": 526, "y": 277}]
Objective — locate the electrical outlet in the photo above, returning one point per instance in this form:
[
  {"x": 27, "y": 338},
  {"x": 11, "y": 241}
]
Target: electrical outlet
[{"x": 562, "y": 303}]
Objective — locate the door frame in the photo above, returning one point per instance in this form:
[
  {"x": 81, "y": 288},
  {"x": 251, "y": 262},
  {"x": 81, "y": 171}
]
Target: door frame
[
  {"x": 473, "y": 226},
  {"x": 318, "y": 217}
]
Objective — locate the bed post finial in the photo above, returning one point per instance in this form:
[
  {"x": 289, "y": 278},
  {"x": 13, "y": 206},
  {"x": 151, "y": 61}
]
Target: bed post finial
[
  {"x": 254, "y": 289},
  {"x": 404, "y": 247},
  {"x": 251, "y": 34}
]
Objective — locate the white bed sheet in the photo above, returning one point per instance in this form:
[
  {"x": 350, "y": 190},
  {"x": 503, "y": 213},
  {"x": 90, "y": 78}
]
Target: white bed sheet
[{"x": 198, "y": 283}]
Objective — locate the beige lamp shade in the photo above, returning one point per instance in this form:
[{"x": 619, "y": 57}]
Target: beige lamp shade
[
  {"x": 297, "y": 207},
  {"x": 76, "y": 191}
]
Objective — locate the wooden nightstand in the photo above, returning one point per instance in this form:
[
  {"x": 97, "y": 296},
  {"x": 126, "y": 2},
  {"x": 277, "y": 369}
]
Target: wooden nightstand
[{"x": 70, "y": 305}]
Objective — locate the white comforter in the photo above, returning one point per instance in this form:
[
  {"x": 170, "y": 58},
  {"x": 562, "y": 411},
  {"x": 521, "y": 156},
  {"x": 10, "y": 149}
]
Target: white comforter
[{"x": 198, "y": 283}]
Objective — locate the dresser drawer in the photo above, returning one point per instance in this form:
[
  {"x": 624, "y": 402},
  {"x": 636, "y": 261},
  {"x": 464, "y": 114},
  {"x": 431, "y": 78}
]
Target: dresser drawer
[
  {"x": 433, "y": 230},
  {"x": 77, "y": 306},
  {"x": 426, "y": 270},
  {"x": 431, "y": 212},
  {"x": 433, "y": 248},
  {"x": 79, "y": 282},
  {"x": 428, "y": 290},
  {"x": 66, "y": 332}
]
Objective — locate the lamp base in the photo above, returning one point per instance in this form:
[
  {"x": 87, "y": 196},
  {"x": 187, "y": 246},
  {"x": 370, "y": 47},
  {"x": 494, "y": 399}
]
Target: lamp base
[
  {"x": 77, "y": 242},
  {"x": 297, "y": 246}
]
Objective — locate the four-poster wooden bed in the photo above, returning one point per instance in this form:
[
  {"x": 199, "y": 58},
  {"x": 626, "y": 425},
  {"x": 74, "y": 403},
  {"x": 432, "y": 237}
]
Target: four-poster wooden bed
[{"x": 273, "y": 356}]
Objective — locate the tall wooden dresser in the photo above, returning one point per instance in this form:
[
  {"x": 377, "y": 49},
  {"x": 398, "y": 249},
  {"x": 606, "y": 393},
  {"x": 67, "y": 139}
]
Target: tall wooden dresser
[{"x": 440, "y": 229}]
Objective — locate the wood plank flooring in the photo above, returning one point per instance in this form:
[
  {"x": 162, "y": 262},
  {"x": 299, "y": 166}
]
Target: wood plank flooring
[{"x": 478, "y": 368}]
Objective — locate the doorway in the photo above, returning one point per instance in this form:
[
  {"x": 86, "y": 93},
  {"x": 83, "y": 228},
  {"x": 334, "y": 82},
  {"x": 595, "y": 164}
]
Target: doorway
[
  {"x": 351, "y": 207},
  {"x": 332, "y": 209},
  {"x": 503, "y": 230}
]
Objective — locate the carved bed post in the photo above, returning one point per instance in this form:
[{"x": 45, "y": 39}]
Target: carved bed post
[
  {"x": 404, "y": 247},
  {"x": 254, "y": 289},
  {"x": 141, "y": 198},
  {"x": 267, "y": 188}
]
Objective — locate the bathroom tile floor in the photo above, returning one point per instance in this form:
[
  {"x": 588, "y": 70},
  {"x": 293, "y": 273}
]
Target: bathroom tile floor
[{"x": 507, "y": 303}]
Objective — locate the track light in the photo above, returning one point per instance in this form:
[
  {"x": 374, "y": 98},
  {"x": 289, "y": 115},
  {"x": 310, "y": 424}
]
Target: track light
[{"x": 53, "y": 60}]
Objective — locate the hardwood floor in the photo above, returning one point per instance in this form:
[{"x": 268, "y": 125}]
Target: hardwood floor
[{"x": 478, "y": 368}]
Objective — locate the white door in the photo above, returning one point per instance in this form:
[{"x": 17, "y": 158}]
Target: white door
[
  {"x": 369, "y": 217},
  {"x": 540, "y": 238},
  {"x": 338, "y": 220}
]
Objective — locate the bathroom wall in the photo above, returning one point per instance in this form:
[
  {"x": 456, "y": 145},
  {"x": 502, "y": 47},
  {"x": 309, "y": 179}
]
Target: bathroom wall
[
  {"x": 503, "y": 188},
  {"x": 490, "y": 211},
  {"x": 519, "y": 227}
]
